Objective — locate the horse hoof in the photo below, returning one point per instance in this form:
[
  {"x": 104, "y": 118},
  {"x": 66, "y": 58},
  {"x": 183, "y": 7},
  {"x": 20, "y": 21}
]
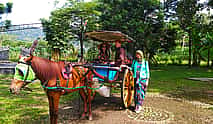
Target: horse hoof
[
  {"x": 83, "y": 116},
  {"x": 90, "y": 118}
]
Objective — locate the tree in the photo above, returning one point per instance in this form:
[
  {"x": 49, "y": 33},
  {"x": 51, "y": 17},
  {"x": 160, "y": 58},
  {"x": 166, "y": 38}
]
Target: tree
[
  {"x": 169, "y": 9},
  {"x": 67, "y": 24},
  {"x": 9, "y": 6},
  {"x": 186, "y": 10},
  {"x": 210, "y": 3},
  {"x": 5, "y": 10},
  {"x": 143, "y": 20},
  {"x": 208, "y": 44},
  {"x": 2, "y": 8}
]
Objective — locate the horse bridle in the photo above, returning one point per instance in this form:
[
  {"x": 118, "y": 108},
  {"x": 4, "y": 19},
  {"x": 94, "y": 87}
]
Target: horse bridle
[{"x": 27, "y": 74}]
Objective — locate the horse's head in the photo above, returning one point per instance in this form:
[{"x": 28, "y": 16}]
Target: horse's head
[
  {"x": 23, "y": 71},
  {"x": 23, "y": 75}
]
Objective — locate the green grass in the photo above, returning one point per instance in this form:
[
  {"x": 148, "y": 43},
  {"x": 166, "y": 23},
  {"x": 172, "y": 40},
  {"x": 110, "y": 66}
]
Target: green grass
[
  {"x": 32, "y": 107},
  {"x": 172, "y": 80},
  {"x": 27, "y": 107}
]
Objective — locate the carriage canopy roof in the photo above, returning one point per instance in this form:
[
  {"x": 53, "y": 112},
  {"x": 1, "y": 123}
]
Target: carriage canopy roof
[{"x": 109, "y": 36}]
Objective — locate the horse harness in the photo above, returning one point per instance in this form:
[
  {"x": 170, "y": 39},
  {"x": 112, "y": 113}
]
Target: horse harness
[
  {"x": 58, "y": 87},
  {"x": 25, "y": 75}
]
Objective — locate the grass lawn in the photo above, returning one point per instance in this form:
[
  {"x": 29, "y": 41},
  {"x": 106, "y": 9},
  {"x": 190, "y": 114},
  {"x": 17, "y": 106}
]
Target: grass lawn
[
  {"x": 172, "y": 81},
  {"x": 27, "y": 107},
  {"x": 32, "y": 107}
]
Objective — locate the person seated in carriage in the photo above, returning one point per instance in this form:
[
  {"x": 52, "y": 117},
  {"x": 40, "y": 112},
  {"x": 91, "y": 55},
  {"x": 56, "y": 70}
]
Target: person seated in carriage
[
  {"x": 104, "y": 53},
  {"x": 120, "y": 55}
]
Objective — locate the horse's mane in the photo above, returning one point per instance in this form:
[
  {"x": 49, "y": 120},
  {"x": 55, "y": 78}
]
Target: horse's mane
[{"x": 46, "y": 69}]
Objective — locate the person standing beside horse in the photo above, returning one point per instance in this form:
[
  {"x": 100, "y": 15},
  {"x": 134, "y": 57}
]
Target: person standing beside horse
[{"x": 141, "y": 75}]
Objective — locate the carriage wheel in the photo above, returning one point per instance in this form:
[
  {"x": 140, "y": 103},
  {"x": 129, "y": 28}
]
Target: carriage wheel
[{"x": 127, "y": 89}]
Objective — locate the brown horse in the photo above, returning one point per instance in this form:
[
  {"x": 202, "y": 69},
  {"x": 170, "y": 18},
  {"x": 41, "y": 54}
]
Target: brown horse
[{"x": 54, "y": 83}]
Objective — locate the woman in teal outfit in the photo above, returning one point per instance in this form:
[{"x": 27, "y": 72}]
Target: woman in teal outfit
[{"x": 141, "y": 75}]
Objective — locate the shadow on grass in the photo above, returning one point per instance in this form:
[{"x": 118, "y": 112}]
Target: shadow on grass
[
  {"x": 72, "y": 110},
  {"x": 31, "y": 107},
  {"x": 192, "y": 95},
  {"x": 173, "y": 82}
]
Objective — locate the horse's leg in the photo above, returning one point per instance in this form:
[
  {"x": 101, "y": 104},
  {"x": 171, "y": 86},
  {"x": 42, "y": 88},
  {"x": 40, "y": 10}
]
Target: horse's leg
[
  {"x": 93, "y": 95},
  {"x": 84, "y": 98},
  {"x": 53, "y": 98},
  {"x": 89, "y": 101}
]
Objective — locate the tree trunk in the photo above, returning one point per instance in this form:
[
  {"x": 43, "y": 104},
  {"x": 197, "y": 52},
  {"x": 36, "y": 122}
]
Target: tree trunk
[
  {"x": 183, "y": 43},
  {"x": 199, "y": 59},
  {"x": 194, "y": 57},
  {"x": 212, "y": 64},
  {"x": 211, "y": 58},
  {"x": 55, "y": 55},
  {"x": 190, "y": 49},
  {"x": 208, "y": 57}
]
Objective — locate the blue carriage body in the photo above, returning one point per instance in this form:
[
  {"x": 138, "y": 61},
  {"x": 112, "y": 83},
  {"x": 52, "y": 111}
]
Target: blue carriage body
[{"x": 105, "y": 70}]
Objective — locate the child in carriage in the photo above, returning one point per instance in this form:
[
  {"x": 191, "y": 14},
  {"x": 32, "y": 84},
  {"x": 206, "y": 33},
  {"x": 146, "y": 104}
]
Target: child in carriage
[
  {"x": 104, "y": 52},
  {"x": 141, "y": 75}
]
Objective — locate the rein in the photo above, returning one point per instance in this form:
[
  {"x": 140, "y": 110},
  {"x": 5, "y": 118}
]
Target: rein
[{"x": 67, "y": 88}]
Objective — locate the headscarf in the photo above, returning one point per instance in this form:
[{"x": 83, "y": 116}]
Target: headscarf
[{"x": 140, "y": 53}]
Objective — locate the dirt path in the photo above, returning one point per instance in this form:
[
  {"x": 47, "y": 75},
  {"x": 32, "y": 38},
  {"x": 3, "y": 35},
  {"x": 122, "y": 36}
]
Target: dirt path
[{"x": 157, "y": 110}]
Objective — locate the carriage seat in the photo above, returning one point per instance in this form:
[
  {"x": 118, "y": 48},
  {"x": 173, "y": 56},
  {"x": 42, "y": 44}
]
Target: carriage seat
[{"x": 66, "y": 71}]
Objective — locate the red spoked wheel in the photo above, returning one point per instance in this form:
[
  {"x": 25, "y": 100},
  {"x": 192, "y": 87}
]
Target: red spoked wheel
[{"x": 127, "y": 88}]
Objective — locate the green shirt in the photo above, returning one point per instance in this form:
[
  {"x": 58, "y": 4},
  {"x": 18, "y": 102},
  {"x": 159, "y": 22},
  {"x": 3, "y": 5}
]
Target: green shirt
[{"x": 144, "y": 69}]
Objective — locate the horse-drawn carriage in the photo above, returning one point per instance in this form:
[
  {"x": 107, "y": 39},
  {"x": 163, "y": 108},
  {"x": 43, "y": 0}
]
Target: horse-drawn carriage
[
  {"x": 58, "y": 78},
  {"x": 109, "y": 72}
]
